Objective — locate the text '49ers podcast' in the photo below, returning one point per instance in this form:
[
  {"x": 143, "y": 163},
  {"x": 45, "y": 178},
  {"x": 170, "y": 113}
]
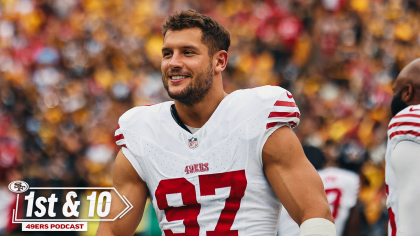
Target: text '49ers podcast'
[{"x": 59, "y": 208}]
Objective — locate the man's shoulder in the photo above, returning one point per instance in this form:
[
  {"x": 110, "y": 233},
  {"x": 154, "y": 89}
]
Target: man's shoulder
[
  {"x": 410, "y": 112},
  {"x": 265, "y": 91},
  {"x": 260, "y": 97},
  {"x": 139, "y": 121},
  {"x": 405, "y": 124},
  {"x": 246, "y": 103},
  {"x": 141, "y": 114}
]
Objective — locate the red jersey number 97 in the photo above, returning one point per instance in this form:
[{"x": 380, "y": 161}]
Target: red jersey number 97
[{"x": 191, "y": 209}]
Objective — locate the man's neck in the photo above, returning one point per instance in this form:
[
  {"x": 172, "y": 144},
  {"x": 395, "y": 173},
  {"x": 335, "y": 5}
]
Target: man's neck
[{"x": 198, "y": 114}]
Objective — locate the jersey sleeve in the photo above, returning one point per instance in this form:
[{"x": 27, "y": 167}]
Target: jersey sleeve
[
  {"x": 119, "y": 137},
  {"x": 405, "y": 126},
  {"x": 127, "y": 122},
  {"x": 122, "y": 139},
  {"x": 284, "y": 112}
]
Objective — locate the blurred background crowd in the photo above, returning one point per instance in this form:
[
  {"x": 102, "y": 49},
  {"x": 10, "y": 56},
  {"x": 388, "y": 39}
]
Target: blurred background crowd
[{"x": 70, "y": 68}]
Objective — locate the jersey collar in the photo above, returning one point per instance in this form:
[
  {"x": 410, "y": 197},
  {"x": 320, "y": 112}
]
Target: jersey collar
[{"x": 175, "y": 127}]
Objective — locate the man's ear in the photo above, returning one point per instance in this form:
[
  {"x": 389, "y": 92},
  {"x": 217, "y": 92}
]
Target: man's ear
[
  {"x": 408, "y": 93},
  {"x": 221, "y": 59}
]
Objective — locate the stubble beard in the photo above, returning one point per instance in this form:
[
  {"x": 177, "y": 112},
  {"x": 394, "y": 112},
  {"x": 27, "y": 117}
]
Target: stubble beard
[
  {"x": 397, "y": 104},
  {"x": 196, "y": 90}
]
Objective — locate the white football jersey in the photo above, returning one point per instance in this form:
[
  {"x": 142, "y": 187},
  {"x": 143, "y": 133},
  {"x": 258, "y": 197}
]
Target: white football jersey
[
  {"x": 8, "y": 202},
  {"x": 211, "y": 182},
  {"x": 405, "y": 126},
  {"x": 342, "y": 189}
]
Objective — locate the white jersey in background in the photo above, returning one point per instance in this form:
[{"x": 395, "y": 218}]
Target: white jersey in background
[
  {"x": 212, "y": 182},
  {"x": 8, "y": 201},
  {"x": 402, "y": 173},
  {"x": 342, "y": 189}
]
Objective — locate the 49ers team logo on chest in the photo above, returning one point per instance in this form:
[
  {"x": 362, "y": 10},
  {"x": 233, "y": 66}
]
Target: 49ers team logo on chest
[
  {"x": 201, "y": 167},
  {"x": 193, "y": 143}
]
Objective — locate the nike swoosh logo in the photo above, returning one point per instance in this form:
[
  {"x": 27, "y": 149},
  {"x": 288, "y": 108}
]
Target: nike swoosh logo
[
  {"x": 289, "y": 95},
  {"x": 411, "y": 109}
]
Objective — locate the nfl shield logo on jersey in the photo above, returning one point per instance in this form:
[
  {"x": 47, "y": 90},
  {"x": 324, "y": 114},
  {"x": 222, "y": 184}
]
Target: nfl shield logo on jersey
[{"x": 193, "y": 143}]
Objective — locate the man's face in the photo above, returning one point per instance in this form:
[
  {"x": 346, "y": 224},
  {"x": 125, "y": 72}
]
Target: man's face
[
  {"x": 397, "y": 103},
  {"x": 187, "y": 71}
]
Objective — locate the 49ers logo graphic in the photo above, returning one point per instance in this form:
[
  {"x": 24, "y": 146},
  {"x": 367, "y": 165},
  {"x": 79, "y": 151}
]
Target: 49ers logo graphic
[
  {"x": 201, "y": 167},
  {"x": 18, "y": 186}
]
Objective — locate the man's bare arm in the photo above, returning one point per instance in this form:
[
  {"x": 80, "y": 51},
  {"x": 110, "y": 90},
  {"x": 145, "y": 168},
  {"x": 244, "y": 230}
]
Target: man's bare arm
[
  {"x": 293, "y": 178},
  {"x": 128, "y": 183}
]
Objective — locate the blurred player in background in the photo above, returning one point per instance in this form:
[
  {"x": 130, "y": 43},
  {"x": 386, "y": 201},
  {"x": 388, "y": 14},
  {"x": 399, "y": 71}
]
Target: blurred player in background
[
  {"x": 9, "y": 171},
  {"x": 212, "y": 163},
  {"x": 341, "y": 186},
  {"x": 402, "y": 174}
]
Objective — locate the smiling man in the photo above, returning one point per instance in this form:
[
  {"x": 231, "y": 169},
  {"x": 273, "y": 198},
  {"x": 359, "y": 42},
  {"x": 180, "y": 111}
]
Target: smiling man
[
  {"x": 402, "y": 174},
  {"x": 213, "y": 164}
]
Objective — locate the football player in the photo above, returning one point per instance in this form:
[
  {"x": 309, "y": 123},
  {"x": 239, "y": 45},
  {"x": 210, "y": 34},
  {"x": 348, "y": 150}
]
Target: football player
[
  {"x": 402, "y": 173},
  {"x": 213, "y": 164},
  {"x": 341, "y": 186}
]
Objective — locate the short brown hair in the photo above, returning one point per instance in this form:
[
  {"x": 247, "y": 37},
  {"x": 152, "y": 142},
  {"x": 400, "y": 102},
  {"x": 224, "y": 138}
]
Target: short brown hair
[{"x": 215, "y": 36}]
